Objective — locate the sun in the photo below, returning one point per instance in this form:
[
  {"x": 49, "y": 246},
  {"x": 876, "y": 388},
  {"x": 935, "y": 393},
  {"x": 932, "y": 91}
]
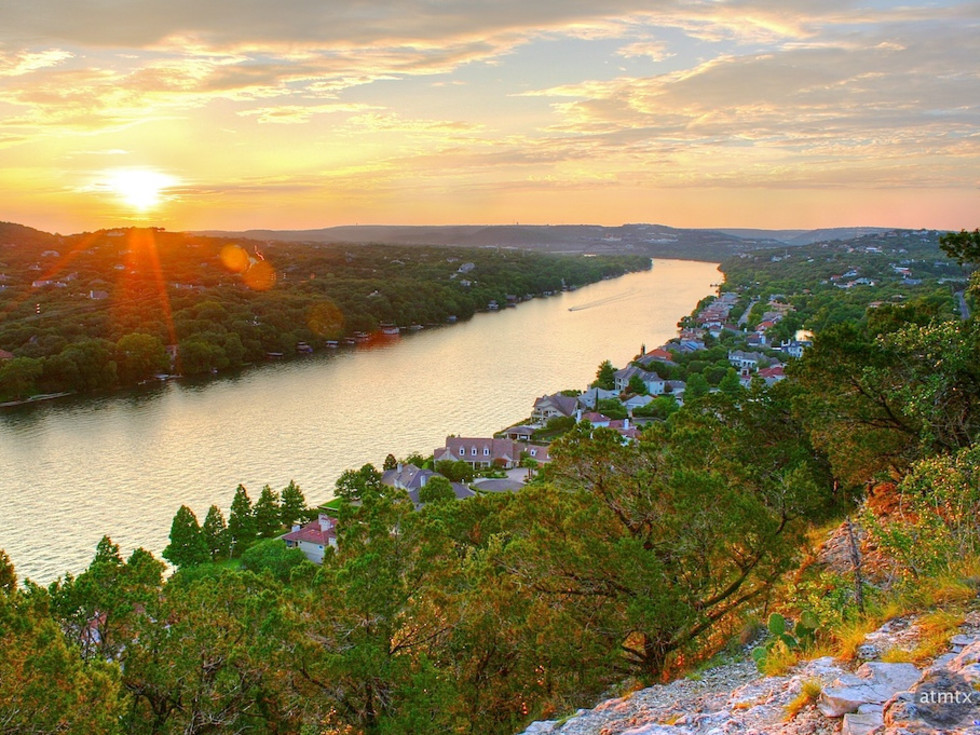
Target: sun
[{"x": 141, "y": 189}]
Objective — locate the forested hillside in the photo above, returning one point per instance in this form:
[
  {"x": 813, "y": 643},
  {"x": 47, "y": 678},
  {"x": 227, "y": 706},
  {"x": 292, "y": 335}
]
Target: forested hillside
[
  {"x": 102, "y": 310},
  {"x": 622, "y": 563}
]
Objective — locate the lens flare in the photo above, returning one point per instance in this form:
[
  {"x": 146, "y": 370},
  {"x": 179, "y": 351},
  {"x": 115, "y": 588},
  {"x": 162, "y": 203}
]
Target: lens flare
[
  {"x": 325, "y": 319},
  {"x": 234, "y": 258},
  {"x": 260, "y": 276}
]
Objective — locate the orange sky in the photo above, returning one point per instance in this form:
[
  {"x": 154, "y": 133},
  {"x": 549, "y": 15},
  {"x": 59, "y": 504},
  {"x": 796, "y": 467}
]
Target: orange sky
[{"x": 236, "y": 114}]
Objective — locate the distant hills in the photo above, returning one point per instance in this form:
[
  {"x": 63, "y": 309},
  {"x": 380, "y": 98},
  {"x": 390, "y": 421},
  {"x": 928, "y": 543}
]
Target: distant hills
[
  {"x": 659, "y": 240},
  {"x": 646, "y": 239}
]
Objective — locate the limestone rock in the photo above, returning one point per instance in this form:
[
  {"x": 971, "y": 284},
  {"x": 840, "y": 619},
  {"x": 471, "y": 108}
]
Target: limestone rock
[
  {"x": 875, "y": 683},
  {"x": 856, "y": 723}
]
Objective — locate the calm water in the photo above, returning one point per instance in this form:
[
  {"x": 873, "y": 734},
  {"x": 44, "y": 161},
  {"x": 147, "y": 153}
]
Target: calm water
[{"x": 74, "y": 470}]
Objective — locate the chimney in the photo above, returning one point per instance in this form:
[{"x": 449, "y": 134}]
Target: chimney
[
  {"x": 326, "y": 522},
  {"x": 296, "y": 527}
]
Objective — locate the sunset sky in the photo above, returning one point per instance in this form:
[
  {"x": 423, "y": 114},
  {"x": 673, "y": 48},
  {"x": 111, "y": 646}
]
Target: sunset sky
[{"x": 295, "y": 114}]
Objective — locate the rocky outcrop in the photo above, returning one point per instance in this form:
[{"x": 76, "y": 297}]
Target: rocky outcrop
[{"x": 869, "y": 697}]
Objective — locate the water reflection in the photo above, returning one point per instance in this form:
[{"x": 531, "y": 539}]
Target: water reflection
[{"x": 123, "y": 464}]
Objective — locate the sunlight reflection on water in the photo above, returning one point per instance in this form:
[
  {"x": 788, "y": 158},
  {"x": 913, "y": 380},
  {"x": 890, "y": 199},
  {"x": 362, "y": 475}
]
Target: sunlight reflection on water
[{"x": 73, "y": 470}]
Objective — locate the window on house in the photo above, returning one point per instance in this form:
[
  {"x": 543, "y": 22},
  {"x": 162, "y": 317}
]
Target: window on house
[
  {"x": 473, "y": 451},
  {"x": 534, "y": 452},
  {"x": 462, "y": 452},
  {"x": 486, "y": 451}
]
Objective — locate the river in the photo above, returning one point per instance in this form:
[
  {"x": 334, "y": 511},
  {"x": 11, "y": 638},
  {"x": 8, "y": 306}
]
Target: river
[{"x": 74, "y": 469}]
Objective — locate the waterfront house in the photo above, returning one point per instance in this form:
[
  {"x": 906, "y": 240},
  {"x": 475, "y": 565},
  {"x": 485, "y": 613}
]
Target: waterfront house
[
  {"x": 412, "y": 479},
  {"x": 592, "y": 396},
  {"x": 314, "y": 538},
  {"x": 482, "y": 452},
  {"x": 658, "y": 355},
  {"x": 520, "y": 433},
  {"x": 654, "y": 383},
  {"x": 553, "y": 406}
]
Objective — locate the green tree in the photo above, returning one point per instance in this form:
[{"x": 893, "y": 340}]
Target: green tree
[
  {"x": 215, "y": 534},
  {"x": 8, "y": 576},
  {"x": 962, "y": 246},
  {"x": 102, "y": 608},
  {"x": 273, "y": 556},
  {"x": 437, "y": 490},
  {"x": 637, "y": 386},
  {"x": 187, "y": 547},
  {"x": 731, "y": 385},
  {"x": 213, "y": 667},
  {"x": 611, "y": 407},
  {"x": 18, "y": 377},
  {"x": 357, "y": 484},
  {"x": 267, "y": 513},
  {"x": 83, "y": 366},
  {"x": 200, "y": 355},
  {"x": 455, "y": 470},
  {"x": 139, "y": 356},
  {"x": 660, "y": 407},
  {"x": 390, "y": 463},
  {"x": 696, "y": 387},
  {"x": 675, "y": 534},
  {"x": 47, "y": 687},
  {"x": 293, "y": 505},
  {"x": 242, "y": 529},
  {"x": 605, "y": 376}
]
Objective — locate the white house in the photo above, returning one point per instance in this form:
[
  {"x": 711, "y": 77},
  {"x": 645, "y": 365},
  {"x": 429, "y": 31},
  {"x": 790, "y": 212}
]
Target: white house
[{"x": 313, "y": 538}]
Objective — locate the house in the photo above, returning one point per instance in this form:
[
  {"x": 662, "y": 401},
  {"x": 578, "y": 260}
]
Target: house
[
  {"x": 653, "y": 382},
  {"x": 555, "y": 405},
  {"x": 489, "y": 452},
  {"x": 313, "y": 538},
  {"x": 520, "y": 433},
  {"x": 658, "y": 355},
  {"x": 596, "y": 419},
  {"x": 623, "y": 427},
  {"x": 636, "y": 401},
  {"x": 412, "y": 479},
  {"x": 687, "y": 346},
  {"x": 745, "y": 360},
  {"x": 592, "y": 396},
  {"x": 795, "y": 348},
  {"x": 772, "y": 374}
]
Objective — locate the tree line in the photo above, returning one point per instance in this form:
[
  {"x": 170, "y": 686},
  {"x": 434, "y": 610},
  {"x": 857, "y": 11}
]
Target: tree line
[{"x": 120, "y": 307}]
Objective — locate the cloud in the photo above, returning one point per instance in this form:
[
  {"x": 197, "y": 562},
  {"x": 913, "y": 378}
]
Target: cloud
[
  {"x": 653, "y": 50},
  {"x": 296, "y": 114},
  {"x": 26, "y": 62},
  {"x": 904, "y": 92}
]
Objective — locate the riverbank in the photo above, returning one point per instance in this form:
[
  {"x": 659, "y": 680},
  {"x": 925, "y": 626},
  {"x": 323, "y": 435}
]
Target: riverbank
[
  {"x": 122, "y": 464},
  {"x": 40, "y": 398}
]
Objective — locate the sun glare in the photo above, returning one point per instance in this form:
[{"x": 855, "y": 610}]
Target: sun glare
[{"x": 141, "y": 189}]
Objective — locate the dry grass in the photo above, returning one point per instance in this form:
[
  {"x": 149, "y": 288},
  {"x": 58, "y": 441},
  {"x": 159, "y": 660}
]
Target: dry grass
[
  {"x": 898, "y": 655},
  {"x": 809, "y": 693},
  {"x": 779, "y": 659},
  {"x": 936, "y": 628},
  {"x": 849, "y": 637}
]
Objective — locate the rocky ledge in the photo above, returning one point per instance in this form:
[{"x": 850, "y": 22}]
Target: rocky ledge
[{"x": 866, "y": 696}]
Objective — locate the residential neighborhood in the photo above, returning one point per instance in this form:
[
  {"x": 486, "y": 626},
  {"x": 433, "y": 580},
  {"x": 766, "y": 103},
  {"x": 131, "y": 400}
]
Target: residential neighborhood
[{"x": 718, "y": 340}]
